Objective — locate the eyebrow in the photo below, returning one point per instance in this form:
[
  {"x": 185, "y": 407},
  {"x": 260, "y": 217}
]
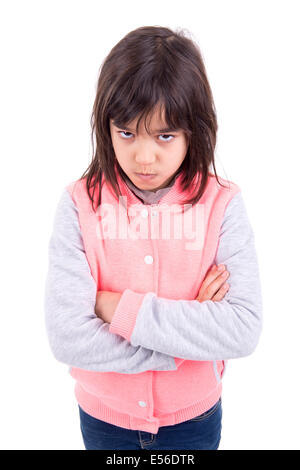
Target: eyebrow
[{"x": 165, "y": 129}]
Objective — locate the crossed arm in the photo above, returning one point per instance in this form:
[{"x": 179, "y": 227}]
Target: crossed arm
[
  {"x": 212, "y": 288},
  {"x": 179, "y": 328}
]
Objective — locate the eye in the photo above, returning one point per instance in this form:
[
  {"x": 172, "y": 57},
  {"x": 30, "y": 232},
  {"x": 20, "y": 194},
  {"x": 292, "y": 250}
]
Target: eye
[
  {"x": 127, "y": 137},
  {"x": 167, "y": 135},
  {"x": 124, "y": 132}
]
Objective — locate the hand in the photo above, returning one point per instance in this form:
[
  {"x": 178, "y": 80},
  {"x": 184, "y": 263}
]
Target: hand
[
  {"x": 106, "y": 304},
  {"x": 213, "y": 287}
]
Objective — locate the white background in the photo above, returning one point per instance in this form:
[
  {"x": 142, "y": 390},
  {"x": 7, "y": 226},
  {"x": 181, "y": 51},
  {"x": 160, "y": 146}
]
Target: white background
[{"x": 51, "y": 53}]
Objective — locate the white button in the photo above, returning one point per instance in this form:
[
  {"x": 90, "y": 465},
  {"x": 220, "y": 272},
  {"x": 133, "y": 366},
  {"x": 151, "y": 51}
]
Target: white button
[
  {"x": 148, "y": 259},
  {"x": 142, "y": 403},
  {"x": 144, "y": 213},
  {"x": 154, "y": 213}
]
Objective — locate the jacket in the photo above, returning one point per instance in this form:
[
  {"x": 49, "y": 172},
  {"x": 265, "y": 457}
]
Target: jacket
[{"x": 161, "y": 360}]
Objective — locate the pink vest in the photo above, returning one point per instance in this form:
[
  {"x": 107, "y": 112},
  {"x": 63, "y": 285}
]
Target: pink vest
[{"x": 145, "y": 255}]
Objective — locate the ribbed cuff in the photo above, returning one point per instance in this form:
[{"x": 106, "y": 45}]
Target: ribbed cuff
[{"x": 124, "y": 319}]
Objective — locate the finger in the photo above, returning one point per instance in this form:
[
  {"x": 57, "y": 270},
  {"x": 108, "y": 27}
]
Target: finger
[
  {"x": 213, "y": 288},
  {"x": 215, "y": 284},
  {"x": 221, "y": 293},
  {"x": 212, "y": 273}
]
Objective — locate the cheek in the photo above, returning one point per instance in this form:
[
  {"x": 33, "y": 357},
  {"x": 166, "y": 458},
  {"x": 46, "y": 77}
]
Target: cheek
[
  {"x": 119, "y": 150},
  {"x": 122, "y": 153},
  {"x": 123, "y": 156}
]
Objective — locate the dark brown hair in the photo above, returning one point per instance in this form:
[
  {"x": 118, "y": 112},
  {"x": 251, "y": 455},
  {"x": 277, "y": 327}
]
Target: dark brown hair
[{"x": 152, "y": 67}]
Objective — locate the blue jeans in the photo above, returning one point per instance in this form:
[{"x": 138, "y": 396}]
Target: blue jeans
[{"x": 202, "y": 432}]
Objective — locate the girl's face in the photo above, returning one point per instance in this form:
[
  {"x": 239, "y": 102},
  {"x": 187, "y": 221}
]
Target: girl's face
[{"x": 160, "y": 153}]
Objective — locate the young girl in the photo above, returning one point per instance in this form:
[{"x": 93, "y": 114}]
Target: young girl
[{"x": 136, "y": 298}]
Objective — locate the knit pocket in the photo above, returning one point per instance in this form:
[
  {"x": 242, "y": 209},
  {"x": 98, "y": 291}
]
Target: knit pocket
[
  {"x": 219, "y": 369},
  {"x": 224, "y": 368}
]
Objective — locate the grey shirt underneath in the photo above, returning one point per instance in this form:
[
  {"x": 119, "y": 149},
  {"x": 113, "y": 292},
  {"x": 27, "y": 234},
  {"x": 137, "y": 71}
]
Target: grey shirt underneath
[{"x": 187, "y": 329}]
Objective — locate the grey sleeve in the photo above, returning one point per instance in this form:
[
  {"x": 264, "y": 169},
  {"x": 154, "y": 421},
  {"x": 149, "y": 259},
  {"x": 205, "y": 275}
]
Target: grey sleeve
[
  {"x": 77, "y": 337},
  {"x": 211, "y": 330}
]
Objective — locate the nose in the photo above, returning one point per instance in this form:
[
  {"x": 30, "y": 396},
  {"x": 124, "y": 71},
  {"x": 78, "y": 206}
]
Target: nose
[{"x": 145, "y": 157}]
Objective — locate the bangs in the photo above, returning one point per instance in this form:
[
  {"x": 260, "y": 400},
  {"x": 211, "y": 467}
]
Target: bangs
[{"x": 143, "y": 104}]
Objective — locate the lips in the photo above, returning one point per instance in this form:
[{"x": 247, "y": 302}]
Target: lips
[{"x": 146, "y": 177}]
